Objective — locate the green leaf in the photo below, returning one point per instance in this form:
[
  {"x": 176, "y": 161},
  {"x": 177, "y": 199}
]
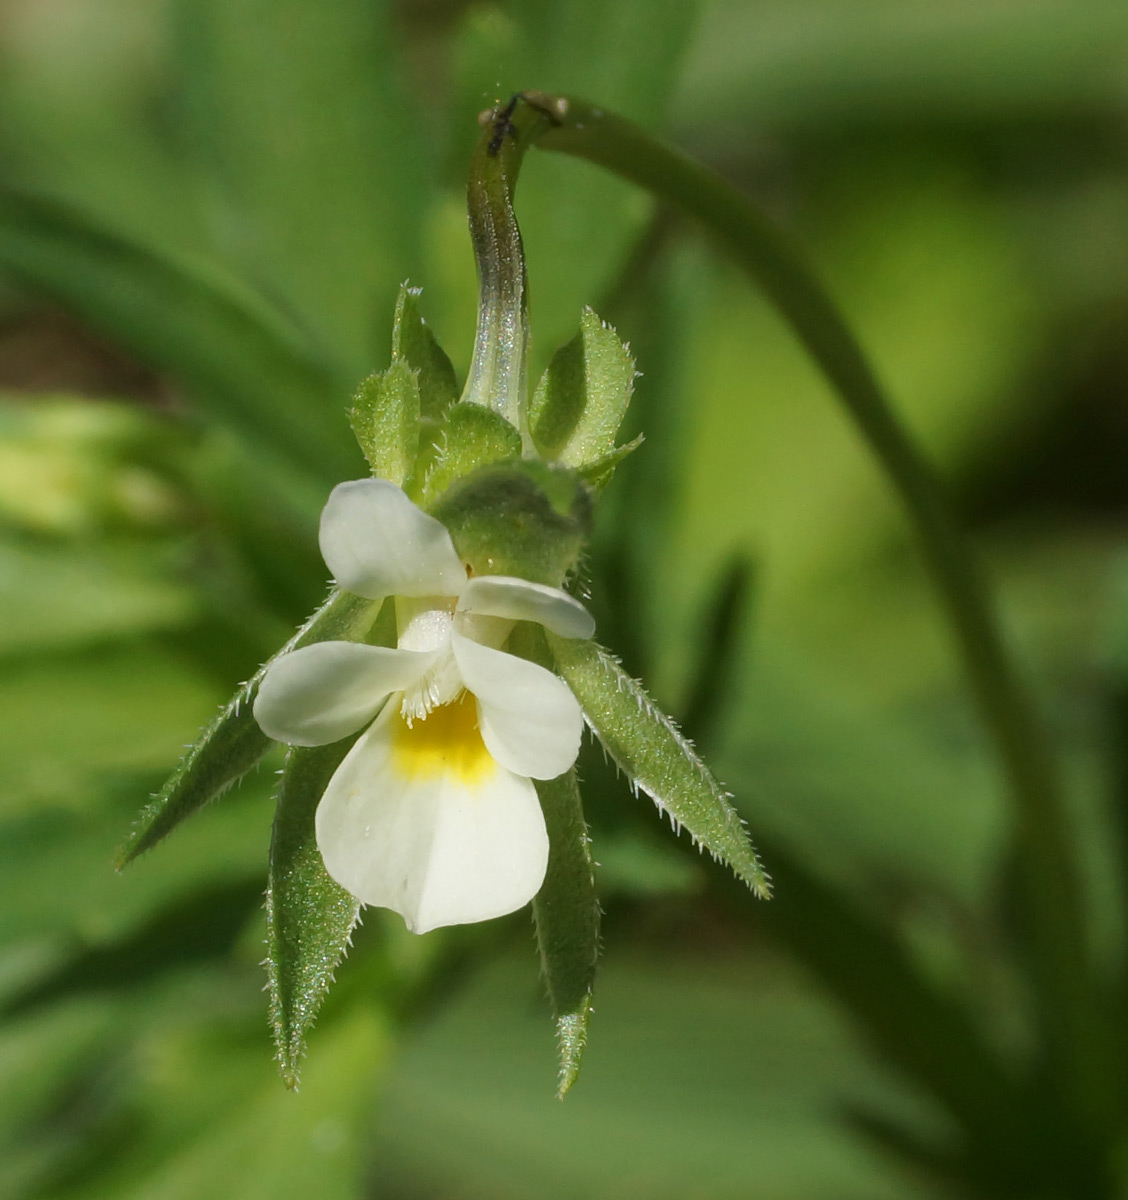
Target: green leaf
[
  {"x": 414, "y": 343},
  {"x": 385, "y": 419},
  {"x": 233, "y": 743},
  {"x": 309, "y": 917},
  {"x": 653, "y": 754},
  {"x": 582, "y": 397},
  {"x": 245, "y": 363},
  {"x": 566, "y": 913},
  {"x": 471, "y": 437}
]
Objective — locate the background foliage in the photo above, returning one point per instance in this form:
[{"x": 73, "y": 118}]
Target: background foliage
[{"x": 206, "y": 208}]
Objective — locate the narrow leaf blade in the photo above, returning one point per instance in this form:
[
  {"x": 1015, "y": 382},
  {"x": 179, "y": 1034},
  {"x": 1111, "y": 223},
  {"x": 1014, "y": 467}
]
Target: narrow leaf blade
[
  {"x": 653, "y": 754},
  {"x": 309, "y": 917},
  {"x": 233, "y": 743},
  {"x": 566, "y": 913}
]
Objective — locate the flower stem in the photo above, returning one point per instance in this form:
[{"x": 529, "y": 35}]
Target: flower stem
[
  {"x": 1045, "y": 855},
  {"x": 497, "y": 371}
]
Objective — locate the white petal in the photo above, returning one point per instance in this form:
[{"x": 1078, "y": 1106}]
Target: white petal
[
  {"x": 326, "y": 691},
  {"x": 377, "y": 543},
  {"x": 530, "y": 721},
  {"x": 520, "y": 600},
  {"x": 432, "y": 826}
]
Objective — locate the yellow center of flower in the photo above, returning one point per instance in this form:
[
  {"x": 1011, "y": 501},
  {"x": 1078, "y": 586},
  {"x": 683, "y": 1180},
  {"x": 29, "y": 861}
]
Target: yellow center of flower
[{"x": 445, "y": 742}]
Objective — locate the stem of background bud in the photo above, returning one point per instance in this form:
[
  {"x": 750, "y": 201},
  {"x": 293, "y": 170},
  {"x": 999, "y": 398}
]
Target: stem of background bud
[
  {"x": 497, "y": 377},
  {"x": 1045, "y": 855}
]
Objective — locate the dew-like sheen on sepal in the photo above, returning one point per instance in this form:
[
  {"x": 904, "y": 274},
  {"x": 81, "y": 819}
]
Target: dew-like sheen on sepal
[{"x": 523, "y": 518}]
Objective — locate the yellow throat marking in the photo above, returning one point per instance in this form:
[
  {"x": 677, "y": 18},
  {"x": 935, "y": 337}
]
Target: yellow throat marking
[{"x": 444, "y": 743}]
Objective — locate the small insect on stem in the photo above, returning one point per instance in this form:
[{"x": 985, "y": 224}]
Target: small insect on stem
[
  {"x": 553, "y": 107},
  {"x": 502, "y": 126}
]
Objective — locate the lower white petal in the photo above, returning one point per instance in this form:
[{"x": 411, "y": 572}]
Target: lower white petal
[
  {"x": 530, "y": 721},
  {"x": 422, "y": 820},
  {"x": 522, "y": 600},
  {"x": 324, "y": 692}
]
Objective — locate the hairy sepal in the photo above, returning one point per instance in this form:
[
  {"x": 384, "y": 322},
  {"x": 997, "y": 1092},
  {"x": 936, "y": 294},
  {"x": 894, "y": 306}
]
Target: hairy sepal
[
  {"x": 471, "y": 437},
  {"x": 650, "y": 750},
  {"x": 309, "y": 917},
  {"x": 582, "y": 397},
  {"x": 566, "y": 913},
  {"x": 233, "y": 743},
  {"x": 523, "y": 518},
  {"x": 385, "y": 417}
]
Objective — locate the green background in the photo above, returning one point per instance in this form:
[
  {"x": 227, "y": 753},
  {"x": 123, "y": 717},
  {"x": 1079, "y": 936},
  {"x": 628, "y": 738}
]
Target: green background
[{"x": 206, "y": 210}]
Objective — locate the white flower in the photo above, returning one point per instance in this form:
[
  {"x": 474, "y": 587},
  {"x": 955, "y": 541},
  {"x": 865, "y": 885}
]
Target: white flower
[{"x": 433, "y": 812}]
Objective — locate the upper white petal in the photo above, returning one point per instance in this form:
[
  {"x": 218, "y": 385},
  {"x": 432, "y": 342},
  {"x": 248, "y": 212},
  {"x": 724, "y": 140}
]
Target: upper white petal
[
  {"x": 441, "y": 849},
  {"x": 529, "y": 719},
  {"x": 377, "y": 543},
  {"x": 520, "y": 600},
  {"x": 320, "y": 693}
]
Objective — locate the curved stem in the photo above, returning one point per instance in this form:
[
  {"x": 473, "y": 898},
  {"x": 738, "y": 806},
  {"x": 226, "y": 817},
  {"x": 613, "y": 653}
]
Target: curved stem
[
  {"x": 1050, "y": 892},
  {"x": 497, "y": 371}
]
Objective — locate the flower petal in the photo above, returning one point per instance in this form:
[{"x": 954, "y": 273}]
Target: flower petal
[
  {"x": 521, "y": 600},
  {"x": 530, "y": 721},
  {"x": 377, "y": 543},
  {"x": 326, "y": 691},
  {"x": 422, "y": 820}
]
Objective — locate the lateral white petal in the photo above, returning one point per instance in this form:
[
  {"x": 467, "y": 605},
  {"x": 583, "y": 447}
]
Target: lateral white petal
[
  {"x": 521, "y": 600},
  {"x": 377, "y": 543},
  {"x": 530, "y": 721},
  {"x": 320, "y": 693},
  {"x": 440, "y": 847}
]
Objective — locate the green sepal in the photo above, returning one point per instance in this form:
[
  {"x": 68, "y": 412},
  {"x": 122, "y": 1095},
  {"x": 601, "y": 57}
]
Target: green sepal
[
  {"x": 566, "y": 913},
  {"x": 598, "y": 473},
  {"x": 523, "y": 518},
  {"x": 413, "y": 343},
  {"x": 583, "y": 395},
  {"x": 649, "y": 749},
  {"x": 471, "y": 437},
  {"x": 233, "y": 743},
  {"x": 385, "y": 419},
  {"x": 309, "y": 917},
  {"x": 566, "y": 909}
]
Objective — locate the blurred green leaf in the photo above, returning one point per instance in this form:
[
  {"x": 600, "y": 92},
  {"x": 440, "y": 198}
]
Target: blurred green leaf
[
  {"x": 716, "y": 1072},
  {"x": 809, "y": 64},
  {"x": 198, "y": 926},
  {"x": 314, "y": 151},
  {"x": 246, "y": 365},
  {"x": 55, "y": 598},
  {"x": 67, "y": 717}
]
